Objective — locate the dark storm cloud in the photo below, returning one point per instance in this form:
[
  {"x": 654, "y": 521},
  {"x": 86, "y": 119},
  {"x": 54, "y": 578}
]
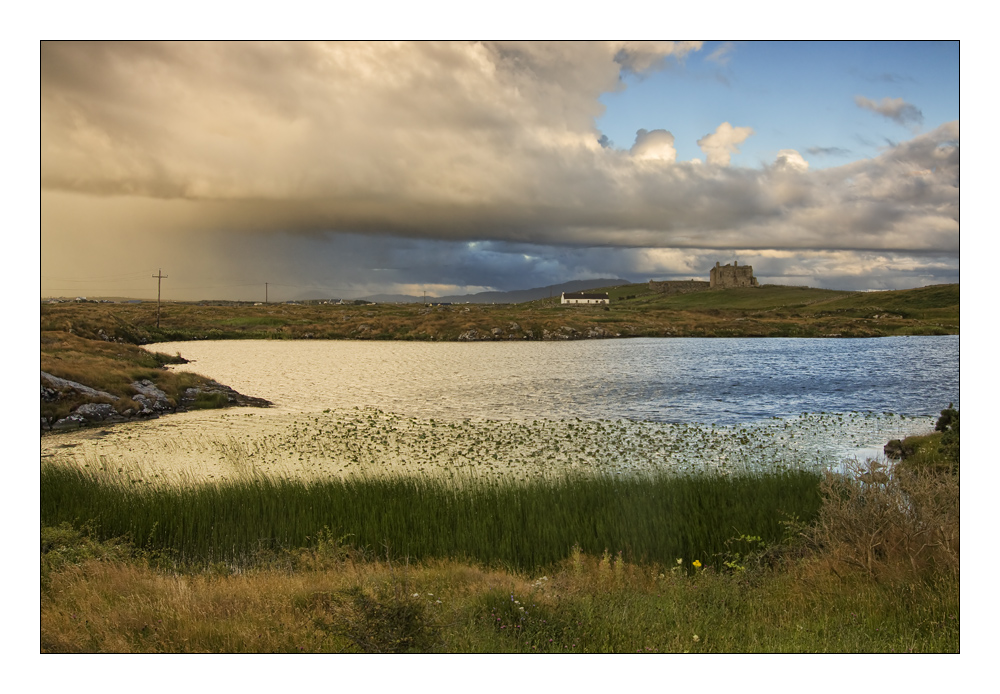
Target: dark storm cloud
[{"x": 207, "y": 150}]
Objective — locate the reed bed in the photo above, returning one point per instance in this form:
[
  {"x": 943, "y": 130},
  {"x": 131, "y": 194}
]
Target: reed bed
[{"x": 520, "y": 525}]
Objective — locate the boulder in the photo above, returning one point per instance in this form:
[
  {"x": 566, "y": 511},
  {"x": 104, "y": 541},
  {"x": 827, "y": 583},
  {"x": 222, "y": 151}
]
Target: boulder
[
  {"x": 55, "y": 382},
  {"x": 95, "y": 412},
  {"x": 151, "y": 397},
  {"x": 74, "y": 421}
]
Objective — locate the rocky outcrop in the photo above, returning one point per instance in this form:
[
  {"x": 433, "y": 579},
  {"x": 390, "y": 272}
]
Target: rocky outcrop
[
  {"x": 62, "y": 383},
  {"x": 214, "y": 388},
  {"x": 149, "y": 402},
  {"x": 95, "y": 411},
  {"x": 600, "y": 333},
  {"x": 150, "y": 399}
]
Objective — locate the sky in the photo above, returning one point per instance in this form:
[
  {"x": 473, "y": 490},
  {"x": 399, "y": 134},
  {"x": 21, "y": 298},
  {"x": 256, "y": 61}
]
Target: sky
[{"x": 346, "y": 169}]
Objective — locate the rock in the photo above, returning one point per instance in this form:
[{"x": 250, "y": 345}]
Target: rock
[
  {"x": 74, "y": 421},
  {"x": 151, "y": 397},
  {"x": 149, "y": 389},
  {"x": 514, "y": 327},
  {"x": 497, "y": 332},
  {"x": 469, "y": 336},
  {"x": 55, "y": 382},
  {"x": 95, "y": 412}
]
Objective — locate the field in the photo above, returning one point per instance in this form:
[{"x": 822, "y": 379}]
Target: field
[{"x": 769, "y": 311}]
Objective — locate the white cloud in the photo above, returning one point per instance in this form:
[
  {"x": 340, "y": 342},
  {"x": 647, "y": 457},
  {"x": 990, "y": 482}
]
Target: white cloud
[
  {"x": 643, "y": 56},
  {"x": 722, "y": 54},
  {"x": 654, "y": 144},
  {"x": 724, "y": 142},
  {"x": 791, "y": 160}
]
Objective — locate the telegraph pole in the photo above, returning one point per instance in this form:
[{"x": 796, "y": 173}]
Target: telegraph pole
[
  {"x": 265, "y": 292},
  {"x": 159, "y": 279}
]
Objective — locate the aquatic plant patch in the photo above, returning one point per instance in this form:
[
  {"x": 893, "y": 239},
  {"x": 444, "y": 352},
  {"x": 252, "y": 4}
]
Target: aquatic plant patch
[{"x": 212, "y": 446}]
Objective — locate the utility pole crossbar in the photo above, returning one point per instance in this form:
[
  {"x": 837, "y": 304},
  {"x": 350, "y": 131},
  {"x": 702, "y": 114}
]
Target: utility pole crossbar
[{"x": 159, "y": 279}]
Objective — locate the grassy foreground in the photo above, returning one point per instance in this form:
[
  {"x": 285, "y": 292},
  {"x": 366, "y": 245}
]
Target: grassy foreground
[
  {"x": 875, "y": 570},
  {"x": 100, "y": 598}
]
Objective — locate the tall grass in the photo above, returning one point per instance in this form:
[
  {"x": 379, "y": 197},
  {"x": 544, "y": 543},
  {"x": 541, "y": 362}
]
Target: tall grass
[{"x": 520, "y": 525}]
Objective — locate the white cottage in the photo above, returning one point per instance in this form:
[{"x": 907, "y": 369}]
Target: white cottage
[{"x": 585, "y": 298}]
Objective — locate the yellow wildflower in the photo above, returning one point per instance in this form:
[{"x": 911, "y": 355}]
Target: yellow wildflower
[{"x": 697, "y": 564}]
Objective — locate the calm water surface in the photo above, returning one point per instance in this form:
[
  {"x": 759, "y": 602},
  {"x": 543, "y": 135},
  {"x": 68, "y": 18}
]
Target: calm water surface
[
  {"x": 533, "y": 409},
  {"x": 720, "y": 381}
]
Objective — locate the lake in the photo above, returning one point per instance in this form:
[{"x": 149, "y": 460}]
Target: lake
[
  {"x": 695, "y": 380},
  {"x": 531, "y": 408}
]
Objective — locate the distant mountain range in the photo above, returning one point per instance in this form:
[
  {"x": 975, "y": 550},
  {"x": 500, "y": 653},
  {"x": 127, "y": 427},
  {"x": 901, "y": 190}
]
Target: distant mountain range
[{"x": 514, "y": 297}]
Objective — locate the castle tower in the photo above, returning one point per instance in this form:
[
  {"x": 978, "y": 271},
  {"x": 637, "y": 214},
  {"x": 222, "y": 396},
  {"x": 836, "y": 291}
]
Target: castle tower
[{"x": 732, "y": 276}]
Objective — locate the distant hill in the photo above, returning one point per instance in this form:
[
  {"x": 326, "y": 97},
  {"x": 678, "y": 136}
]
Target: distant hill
[{"x": 515, "y": 297}]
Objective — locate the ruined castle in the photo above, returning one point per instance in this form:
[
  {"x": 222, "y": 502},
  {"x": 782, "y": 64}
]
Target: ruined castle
[
  {"x": 730, "y": 276},
  {"x": 720, "y": 277}
]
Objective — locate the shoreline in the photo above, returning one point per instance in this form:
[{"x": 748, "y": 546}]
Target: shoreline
[{"x": 110, "y": 348}]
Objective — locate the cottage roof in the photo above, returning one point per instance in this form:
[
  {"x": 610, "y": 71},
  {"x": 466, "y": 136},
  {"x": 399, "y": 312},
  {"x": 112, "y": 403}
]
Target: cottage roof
[{"x": 585, "y": 295}]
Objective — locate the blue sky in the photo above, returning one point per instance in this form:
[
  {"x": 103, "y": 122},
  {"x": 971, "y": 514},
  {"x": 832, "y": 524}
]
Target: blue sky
[
  {"x": 345, "y": 169},
  {"x": 797, "y": 95}
]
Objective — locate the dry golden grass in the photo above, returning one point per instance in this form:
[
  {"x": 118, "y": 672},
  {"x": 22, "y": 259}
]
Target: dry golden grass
[
  {"x": 883, "y": 519},
  {"x": 588, "y": 604},
  {"x": 770, "y": 311}
]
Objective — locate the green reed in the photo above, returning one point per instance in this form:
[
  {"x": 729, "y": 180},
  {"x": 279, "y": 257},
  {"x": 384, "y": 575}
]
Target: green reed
[{"x": 522, "y": 525}]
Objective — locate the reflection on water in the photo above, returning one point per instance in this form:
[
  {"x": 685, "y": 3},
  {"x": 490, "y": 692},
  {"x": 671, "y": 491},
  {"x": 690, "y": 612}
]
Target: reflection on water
[
  {"x": 529, "y": 410},
  {"x": 705, "y": 381}
]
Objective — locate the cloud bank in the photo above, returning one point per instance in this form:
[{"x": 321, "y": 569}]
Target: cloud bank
[{"x": 442, "y": 142}]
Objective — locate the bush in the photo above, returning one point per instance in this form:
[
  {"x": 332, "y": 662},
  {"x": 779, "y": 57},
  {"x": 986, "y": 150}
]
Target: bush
[
  {"x": 887, "y": 520},
  {"x": 948, "y": 424}
]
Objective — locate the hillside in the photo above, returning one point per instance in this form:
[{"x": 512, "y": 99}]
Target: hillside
[{"x": 769, "y": 311}]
